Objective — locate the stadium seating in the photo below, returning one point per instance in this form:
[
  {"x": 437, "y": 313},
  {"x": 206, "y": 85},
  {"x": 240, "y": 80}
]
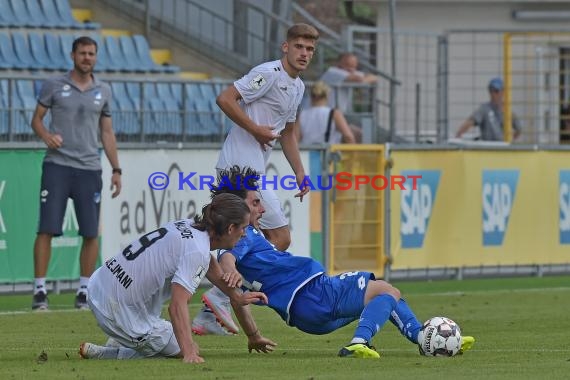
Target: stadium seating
[
  {"x": 38, "y": 35},
  {"x": 64, "y": 11},
  {"x": 48, "y": 14},
  {"x": 39, "y": 52},
  {"x": 55, "y": 52},
  {"x": 24, "y": 52},
  {"x": 8, "y": 58},
  {"x": 23, "y": 104}
]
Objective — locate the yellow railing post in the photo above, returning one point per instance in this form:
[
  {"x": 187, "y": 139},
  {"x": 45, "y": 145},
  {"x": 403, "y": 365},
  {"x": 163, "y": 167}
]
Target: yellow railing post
[{"x": 507, "y": 99}]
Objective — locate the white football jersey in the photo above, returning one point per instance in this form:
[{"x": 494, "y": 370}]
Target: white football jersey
[
  {"x": 270, "y": 97},
  {"x": 131, "y": 287}
]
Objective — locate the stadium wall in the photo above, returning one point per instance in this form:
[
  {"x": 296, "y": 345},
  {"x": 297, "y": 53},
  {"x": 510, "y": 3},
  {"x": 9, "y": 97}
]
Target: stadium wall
[
  {"x": 138, "y": 209},
  {"x": 481, "y": 209}
]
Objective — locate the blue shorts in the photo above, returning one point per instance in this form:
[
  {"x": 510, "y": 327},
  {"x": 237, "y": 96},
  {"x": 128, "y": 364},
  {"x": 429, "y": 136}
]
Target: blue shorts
[
  {"x": 327, "y": 303},
  {"x": 62, "y": 182}
]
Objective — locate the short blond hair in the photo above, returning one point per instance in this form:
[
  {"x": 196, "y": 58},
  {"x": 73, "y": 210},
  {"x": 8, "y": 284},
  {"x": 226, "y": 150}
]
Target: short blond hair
[
  {"x": 304, "y": 31},
  {"x": 320, "y": 90}
]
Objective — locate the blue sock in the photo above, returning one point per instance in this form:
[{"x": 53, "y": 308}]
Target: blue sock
[
  {"x": 404, "y": 319},
  {"x": 373, "y": 317}
]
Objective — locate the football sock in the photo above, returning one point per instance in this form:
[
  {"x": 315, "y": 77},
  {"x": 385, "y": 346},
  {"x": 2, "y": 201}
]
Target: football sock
[
  {"x": 124, "y": 353},
  {"x": 83, "y": 281},
  {"x": 374, "y": 315},
  {"x": 40, "y": 285},
  {"x": 217, "y": 292},
  {"x": 405, "y": 320}
]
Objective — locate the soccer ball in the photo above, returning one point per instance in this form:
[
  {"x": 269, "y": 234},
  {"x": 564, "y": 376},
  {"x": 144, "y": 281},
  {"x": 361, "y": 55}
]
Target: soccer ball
[{"x": 439, "y": 336}]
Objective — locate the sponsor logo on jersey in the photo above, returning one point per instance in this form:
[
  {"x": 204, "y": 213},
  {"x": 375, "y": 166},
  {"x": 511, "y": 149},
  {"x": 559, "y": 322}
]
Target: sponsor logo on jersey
[{"x": 257, "y": 82}]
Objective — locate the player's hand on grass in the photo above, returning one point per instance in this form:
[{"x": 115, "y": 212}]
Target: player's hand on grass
[
  {"x": 193, "y": 358},
  {"x": 258, "y": 343},
  {"x": 194, "y": 355},
  {"x": 233, "y": 279}
]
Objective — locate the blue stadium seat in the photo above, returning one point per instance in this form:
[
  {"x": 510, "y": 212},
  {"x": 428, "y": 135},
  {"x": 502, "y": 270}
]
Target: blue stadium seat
[
  {"x": 23, "y": 17},
  {"x": 143, "y": 53},
  {"x": 207, "y": 90},
  {"x": 163, "y": 90},
  {"x": 38, "y": 49},
  {"x": 52, "y": 14},
  {"x": 8, "y": 56},
  {"x": 7, "y": 17},
  {"x": 193, "y": 90},
  {"x": 37, "y": 13},
  {"x": 23, "y": 51},
  {"x": 55, "y": 53},
  {"x": 149, "y": 90},
  {"x": 64, "y": 10},
  {"x": 200, "y": 121},
  {"x": 131, "y": 55},
  {"x": 66, "y": 44},
  {"x": 24, "y": 103},
  {"x": 173, "y": 117},
  {"x": 125, "y": 113},
  {"x": 176, "y": 91},
  {"x": 117, "y": 62},
  {"x": 134, "y": 93}
]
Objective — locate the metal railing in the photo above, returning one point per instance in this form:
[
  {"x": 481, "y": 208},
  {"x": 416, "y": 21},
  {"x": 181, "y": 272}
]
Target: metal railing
[{"x": 147, "y": 110}]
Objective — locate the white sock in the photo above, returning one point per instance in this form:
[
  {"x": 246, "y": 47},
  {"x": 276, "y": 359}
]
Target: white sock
[
  {"x": 217, "y": 292},
  {"x": 124, "y": 353},
  {"x": 358, "y": 340},
  {"x": 83, "y": 281},
  {"x": 40, "y": 285}
]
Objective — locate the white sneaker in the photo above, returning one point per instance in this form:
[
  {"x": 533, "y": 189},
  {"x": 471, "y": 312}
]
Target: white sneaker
[
  {"x": 205, "y": 323},
  {"x": 220, "y": 306},
  {"x": 91, "y": 351}
]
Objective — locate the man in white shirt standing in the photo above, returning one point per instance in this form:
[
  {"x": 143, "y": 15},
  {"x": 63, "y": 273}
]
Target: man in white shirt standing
[{"x": 263, "y": 104}]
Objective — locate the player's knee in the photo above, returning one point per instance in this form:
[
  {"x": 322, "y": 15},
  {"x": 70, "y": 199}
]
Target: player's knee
[{"x": 394, "y": 292}]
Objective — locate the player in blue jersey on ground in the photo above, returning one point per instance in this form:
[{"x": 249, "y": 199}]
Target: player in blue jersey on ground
[{"x": 299, "y": 290}]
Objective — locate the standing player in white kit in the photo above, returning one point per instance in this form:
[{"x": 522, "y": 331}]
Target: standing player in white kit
[{"x": 263, "y": 104}]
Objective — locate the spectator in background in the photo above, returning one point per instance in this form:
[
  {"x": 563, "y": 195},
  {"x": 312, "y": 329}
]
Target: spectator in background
[
  {"x": 489, "y": 116},
  {"x": 321, "y": 123},
  {"x": 79, "y": 106},
  {"x": 345, "y": 71}
]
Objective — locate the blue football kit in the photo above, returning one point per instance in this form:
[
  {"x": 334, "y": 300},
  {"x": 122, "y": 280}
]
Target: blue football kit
[{"x": 297, "y": 288}]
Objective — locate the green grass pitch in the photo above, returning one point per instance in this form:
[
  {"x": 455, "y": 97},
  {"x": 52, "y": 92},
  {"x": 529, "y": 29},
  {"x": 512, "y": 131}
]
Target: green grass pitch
[{"x": 522, "y": 328}]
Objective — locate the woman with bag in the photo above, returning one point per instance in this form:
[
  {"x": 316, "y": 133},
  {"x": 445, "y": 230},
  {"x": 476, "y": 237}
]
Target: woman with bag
[{"x": 322, "y": 124}]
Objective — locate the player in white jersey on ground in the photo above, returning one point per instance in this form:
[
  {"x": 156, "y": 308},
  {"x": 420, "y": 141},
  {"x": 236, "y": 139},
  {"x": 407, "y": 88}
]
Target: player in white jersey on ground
[
  {"x": 263, "y": 104},
  {"x": 126, "y": 294}
]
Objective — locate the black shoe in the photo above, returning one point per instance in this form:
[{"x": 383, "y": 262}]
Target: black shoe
[
  {"x": 40, "y": 301},
  {"x": 81, "y": 301}
]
